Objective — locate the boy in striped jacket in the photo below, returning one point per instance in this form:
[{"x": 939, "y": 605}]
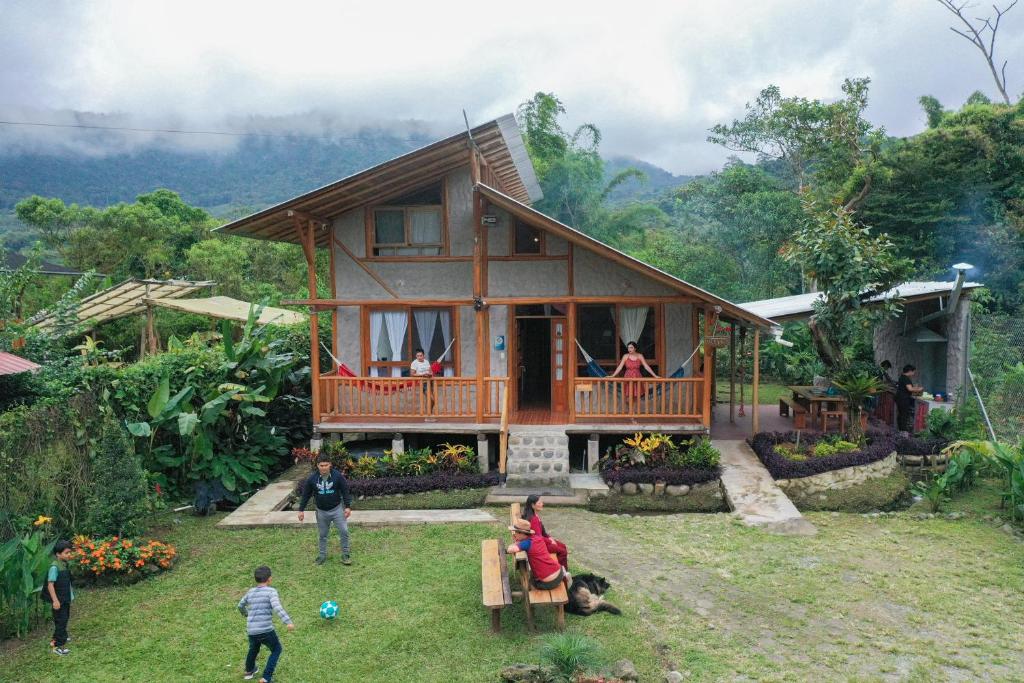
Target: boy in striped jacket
[{"x": 258, "y": 606}]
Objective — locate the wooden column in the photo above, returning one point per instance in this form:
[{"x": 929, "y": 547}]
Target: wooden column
[
  {"x": 697, "y": 366},
  {"x": 306, "y": 229},
  {"x": 709, "y": 328},
  {"x": 570, "y": 360},
  {"x": 154, "y": 345},
  {"x": 478, "y": 293},
  {"x": 732, "y": 374},
  {"x": 754, "y": 413}
]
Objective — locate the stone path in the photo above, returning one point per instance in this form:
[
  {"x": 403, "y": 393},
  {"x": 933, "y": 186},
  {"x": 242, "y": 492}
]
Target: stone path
[
  {"x": 262, "y": 510},
  {"x": 753, "y": 495}
]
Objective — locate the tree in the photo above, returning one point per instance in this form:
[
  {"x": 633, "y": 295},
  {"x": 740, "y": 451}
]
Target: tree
[
  {"x": 982, "y": 34},
  {"x": 851, "y": 266},
  {"x": 118, "y": 496},
  {"x": 829, "y": 148}
]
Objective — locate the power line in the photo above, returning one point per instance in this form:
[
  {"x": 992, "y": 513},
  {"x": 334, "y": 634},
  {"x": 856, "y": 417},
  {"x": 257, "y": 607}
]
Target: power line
[{"x": 182, "y": 132}]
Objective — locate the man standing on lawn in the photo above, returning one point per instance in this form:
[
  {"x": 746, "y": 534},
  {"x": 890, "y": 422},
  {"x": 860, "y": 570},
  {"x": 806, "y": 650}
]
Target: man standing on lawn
[{"x": 333, "y": 504}]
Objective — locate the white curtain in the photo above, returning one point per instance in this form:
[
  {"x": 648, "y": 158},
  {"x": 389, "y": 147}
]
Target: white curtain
[
  {"x": 426, "y": 323},
  {"x": 426, "y": 226},
  {"x": 376, "y": 327},
  {"x": 445, "y": 316},
  {"x": 631, "y": 322},
  {"x": 396, "y": 322}
]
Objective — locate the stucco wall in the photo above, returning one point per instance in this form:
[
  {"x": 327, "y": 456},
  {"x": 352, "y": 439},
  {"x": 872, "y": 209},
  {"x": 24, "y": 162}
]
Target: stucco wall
[
  {"x": 349, "y": 348},
  {"x": 940, "y": 365},
  {"x": 678, "y": 339},
  {"x": 527, "y": 278},
  {"x": 460, "y": 213},
  {"x": 596, "y": 276},
  {"x": 498, "y": 326}
]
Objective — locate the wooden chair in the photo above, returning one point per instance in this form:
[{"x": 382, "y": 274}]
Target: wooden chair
[
  {"x": 786, "y": 405},
  {"x": 838, "y": 415}
]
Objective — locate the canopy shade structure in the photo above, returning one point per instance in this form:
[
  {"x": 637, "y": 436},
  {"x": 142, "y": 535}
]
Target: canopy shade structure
[
  {"x": 231, "y": 309},
  {"x": 126, "y": 298},
  {"x": 801, "y": 306},
  {"x": 13, "y": 365}
]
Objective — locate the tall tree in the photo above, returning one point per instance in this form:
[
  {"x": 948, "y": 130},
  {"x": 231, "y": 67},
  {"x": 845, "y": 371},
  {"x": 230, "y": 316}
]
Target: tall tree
[{"x": 981, "y": 33}]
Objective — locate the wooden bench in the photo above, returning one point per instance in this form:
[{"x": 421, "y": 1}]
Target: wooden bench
[
  {"x": 556, "y": 597},
  {"x": 497, "y": 593},
  {"x": 787, "y": 404}
]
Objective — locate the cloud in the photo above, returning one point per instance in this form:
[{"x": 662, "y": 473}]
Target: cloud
[{"x": 652, "y": 76}]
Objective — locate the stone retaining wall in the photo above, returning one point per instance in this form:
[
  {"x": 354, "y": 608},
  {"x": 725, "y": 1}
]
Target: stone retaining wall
[
  {"x": 630, "y": 497},
  {"x": 712, "y": 489},
  {"x": 840, "y": 479}
]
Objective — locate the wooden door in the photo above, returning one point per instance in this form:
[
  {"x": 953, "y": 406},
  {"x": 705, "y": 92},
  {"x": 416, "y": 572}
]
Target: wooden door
[{"x": 560, "y": 359}]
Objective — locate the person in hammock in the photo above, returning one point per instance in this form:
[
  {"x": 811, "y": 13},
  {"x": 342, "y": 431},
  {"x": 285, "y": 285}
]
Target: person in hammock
[{"x": 633, "y": 360}]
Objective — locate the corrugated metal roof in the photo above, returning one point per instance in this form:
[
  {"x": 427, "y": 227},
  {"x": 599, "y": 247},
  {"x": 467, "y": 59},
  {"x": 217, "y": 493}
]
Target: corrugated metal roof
[
  {"x": 798, "y": 306},
  {"x": 13, "y": 365}
]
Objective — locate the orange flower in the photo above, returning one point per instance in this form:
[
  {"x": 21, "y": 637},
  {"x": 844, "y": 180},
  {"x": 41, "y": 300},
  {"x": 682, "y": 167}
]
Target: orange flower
[
  {"x": 139, "y": 563},
  {"x": 127, "y": 544}
]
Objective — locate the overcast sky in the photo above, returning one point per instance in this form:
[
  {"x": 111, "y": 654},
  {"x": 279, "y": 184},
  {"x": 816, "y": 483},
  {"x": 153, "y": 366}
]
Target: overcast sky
[{"x": 653, "y": 76}]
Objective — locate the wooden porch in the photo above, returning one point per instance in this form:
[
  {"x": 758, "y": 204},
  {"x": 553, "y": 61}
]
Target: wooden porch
[{"x": 431, "y": 402}]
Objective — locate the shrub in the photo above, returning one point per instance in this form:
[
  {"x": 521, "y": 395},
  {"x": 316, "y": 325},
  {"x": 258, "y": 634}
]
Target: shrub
[
  {"x": 569, "y": 654},
  {"x": 914, "y": 445},
  {"x": 444, "y": 481},
  {"x": 670, "y": 475},
  {"x": 700, "y": 455},
  {"x": 117, "y": 558},
  {"x": 23, "y": 564},
  {"x": 117, "y": 497},
  {"x": 765, "y": 445}
]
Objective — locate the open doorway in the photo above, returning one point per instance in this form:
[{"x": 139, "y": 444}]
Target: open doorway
[{"x": 533, "y": 346}]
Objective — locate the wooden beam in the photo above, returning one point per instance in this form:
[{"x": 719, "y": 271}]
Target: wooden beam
[
  {"x": 754, "y": 412},
  {"x": 478, "y": 289},
  {"x": 369, "y": 271},
  {"x": 497, "y": 301},
  {"x": 571, "y": 285},
  {"x": 732, "y": 374},
  {"x": 710, "y": 318},
  {"x": 309, "y": 248}
]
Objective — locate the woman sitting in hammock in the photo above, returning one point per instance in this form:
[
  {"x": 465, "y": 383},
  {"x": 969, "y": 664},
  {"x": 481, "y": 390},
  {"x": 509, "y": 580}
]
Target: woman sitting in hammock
[{"x": 633, "y": 360}]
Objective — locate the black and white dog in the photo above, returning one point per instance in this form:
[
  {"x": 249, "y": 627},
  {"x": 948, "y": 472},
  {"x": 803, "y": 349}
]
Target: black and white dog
[{"x": 585, "y": 596}]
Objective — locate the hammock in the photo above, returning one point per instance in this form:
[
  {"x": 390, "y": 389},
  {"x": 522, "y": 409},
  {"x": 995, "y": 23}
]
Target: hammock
[
  {"x": 384, "y": 387},
  {"x": 595, "y": 370}
]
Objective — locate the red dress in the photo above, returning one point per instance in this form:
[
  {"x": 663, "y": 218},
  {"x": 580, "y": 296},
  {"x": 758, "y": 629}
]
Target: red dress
[
  {"x": 632, "y": 371},
  {"x": 554, "y": 546}
]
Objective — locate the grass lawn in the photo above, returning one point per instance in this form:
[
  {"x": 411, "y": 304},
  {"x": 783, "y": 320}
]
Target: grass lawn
[
  {"x": 410, "y": 611},
  {"x": 866, "y": 599},
  {"x": 427, "y": 500},
  {"x": 767, "y": 393}
]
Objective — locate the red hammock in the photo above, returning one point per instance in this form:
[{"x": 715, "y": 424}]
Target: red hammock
[{"x": 383, "y": 387}]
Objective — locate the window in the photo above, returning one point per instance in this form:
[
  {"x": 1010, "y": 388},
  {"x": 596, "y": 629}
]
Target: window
[
  {"x": 527, "y": 240},
  {"x": 410, "y": 225},
  {"x": 601, "y": 330},
  {"x": 396, "y": 333}
]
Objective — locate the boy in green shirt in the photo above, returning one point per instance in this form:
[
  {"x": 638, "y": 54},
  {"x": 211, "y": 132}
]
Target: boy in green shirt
[{"x": 58, "y": 588}]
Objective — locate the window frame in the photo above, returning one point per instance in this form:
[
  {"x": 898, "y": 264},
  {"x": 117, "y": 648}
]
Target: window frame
[
  {"x": 516, "y": 222},
  {"x": 407, "y": 210},
  {"x": 656, "y": 362},
  {"x": 411, "y": 344}
]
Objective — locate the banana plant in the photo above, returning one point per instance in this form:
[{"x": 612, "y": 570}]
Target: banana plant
[{"x": 23, "y": 564}]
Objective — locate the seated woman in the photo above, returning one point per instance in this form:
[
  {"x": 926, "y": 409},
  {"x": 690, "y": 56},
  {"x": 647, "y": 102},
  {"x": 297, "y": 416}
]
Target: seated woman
[
  {"x": 633, "y": 360},
  {"x": 547, "y": 573},
  {"x": 534, "y": 505}
]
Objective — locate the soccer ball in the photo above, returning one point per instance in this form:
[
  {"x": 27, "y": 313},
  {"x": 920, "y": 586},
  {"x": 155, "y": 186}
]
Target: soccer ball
[{"x": 329, "y": 609}]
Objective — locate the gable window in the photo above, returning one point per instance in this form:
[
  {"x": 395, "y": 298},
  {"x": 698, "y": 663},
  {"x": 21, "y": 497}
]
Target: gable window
[
  {"x": 410, "y": 225},
  {"x": 527, "y": 240}
]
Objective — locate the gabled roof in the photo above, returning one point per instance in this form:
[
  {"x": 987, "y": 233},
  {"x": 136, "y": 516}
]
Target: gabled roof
[
  {"x": 230, "y": 309},
  {"x": 498, "y": 141},
  {"x": 799, "y": 306},
  {"x": 548, "y": 224},
  {"x": 126, "y": 298}
]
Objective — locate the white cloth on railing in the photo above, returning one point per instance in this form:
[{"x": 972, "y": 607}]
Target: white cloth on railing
[
  {"x": 376, "y": 330},
  {"x": 445, "y": 317},
  {"x": 631, "y": 322}
]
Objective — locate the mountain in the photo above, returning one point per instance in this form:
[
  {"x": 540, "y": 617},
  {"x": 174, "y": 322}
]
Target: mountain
[{"x": 658, "y": 180}]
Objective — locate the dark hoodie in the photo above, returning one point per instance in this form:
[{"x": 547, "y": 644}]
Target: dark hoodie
[{"x": 329, "y": 492}]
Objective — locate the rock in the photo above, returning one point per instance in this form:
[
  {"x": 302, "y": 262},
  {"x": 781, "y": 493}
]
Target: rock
[
  {"x": 1006, "y": 528},
  {"x": 629, "y": 489},
  {"x": 659, "y": 488},
  {"x": 998, "y": 521},
  {"x": 674, "y": 677},
  {"x": 954, "y": 515},
  {"x": 680, "y": 490},
  {"x": 646, "y": 489},
  {"x": 625, "y": 670},
  {"x": 524, "y": 673},
  {"x": 618, "y": 487}
]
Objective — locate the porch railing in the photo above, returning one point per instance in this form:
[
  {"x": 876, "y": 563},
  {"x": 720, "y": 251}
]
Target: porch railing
[
  {"x": 449, "y": 398},
  {"x": 611, "y": 398}
]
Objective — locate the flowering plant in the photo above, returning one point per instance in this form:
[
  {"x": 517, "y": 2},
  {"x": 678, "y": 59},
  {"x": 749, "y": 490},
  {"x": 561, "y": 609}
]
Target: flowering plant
[{"x": 117, "y": 557}]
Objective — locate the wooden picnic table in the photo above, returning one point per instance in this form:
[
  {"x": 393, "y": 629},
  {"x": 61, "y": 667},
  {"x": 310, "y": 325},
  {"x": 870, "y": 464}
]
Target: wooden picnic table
[{"x": 816, "y": 401}]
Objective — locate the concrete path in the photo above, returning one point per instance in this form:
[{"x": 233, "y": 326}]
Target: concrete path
[
  {"x": 753, "y": 495},
  {"x": 263, "y": 510}
]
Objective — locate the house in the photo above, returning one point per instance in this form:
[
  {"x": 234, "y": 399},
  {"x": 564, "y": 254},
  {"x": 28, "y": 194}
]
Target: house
[{"x": 440, "y": 249}]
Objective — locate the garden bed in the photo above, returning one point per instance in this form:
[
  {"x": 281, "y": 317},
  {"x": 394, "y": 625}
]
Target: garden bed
[{"x": 807, "y": 462}]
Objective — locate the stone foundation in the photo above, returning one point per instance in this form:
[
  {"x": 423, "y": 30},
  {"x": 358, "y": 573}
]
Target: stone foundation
[
  {"x": 538, "y": 458},
  {"x": 862, "y": 487}
]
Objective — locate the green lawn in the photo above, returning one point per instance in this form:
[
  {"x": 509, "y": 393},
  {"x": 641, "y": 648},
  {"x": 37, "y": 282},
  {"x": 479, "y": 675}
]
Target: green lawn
[
  {"x": 866, "y": 599},
  {"x": 767, "y": 393}
]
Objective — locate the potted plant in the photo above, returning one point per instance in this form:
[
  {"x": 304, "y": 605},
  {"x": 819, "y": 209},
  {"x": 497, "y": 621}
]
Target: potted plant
[{"x": 858, "y": 387}]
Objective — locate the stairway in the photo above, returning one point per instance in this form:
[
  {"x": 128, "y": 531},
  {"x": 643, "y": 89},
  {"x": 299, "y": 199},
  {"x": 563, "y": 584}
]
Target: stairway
[{"x": 537, "y": 456}]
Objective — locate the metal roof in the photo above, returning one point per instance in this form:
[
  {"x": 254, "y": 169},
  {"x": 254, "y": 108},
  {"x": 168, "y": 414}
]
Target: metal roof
[
  {"x": 13, "y": 365},
  {"x": 126, "y": 298},
  {"x": 499, "y": 143},
  {"x": 786, "y": 308},
  {"x": 231, "y": 309}
]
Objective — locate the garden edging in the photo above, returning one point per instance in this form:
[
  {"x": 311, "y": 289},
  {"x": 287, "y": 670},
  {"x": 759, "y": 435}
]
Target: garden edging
[{"x": 844, "y": 478}]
